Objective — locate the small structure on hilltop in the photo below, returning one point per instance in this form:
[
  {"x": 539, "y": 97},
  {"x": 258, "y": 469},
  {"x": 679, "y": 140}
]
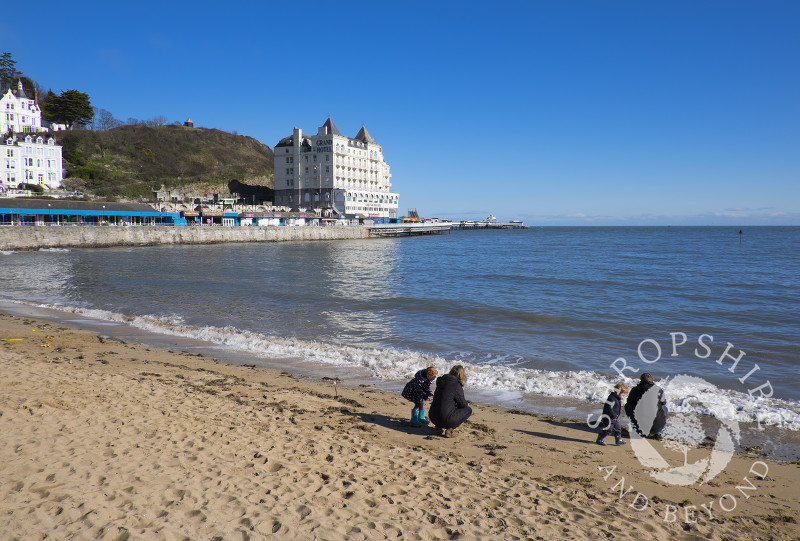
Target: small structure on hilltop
[{"x": 189, "y": 123}]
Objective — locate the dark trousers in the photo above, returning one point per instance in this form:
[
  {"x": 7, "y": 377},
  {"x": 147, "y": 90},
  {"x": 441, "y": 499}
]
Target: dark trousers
[
  {"x": 455, "y": 418},
  {"x": 610, "y": 426},
  {"x": 419, "y": 405}
]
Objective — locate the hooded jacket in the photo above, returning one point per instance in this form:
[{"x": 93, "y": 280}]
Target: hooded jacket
[
  {"x": 448, "y": 398},
  {"x": 612, "y": 406},
  {"x": 418, "y": 389}
]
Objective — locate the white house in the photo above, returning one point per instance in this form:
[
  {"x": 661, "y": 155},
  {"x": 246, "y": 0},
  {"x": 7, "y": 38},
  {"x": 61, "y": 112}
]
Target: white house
[
  {"x": 20, "y": 114},
  {"x": 26, "y": 154},
  {"x": 334, "y": 173},
  {"x": 30, "y": 159}
]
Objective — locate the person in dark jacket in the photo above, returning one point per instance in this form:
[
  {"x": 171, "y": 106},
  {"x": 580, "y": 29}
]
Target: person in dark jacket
[
  {"x": 418, "y": 390},
  {"x": 647, "y": 408},
  {"x": 609, "y": 420},
  {"x": 449, "y": 408}
]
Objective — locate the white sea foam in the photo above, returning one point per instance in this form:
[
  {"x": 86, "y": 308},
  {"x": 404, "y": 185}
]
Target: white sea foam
[
  {"x": 7, "y": 252},
  {"x": 54, "y": 250},
  {"x": 395, "y": 364}
]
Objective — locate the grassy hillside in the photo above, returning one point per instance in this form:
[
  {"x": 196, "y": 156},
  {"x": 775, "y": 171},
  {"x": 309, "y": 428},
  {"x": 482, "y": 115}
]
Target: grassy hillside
[{"x": 132, "y": 161}]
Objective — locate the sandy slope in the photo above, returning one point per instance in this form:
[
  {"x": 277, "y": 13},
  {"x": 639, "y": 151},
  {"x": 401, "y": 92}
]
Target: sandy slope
[{"x": 107, "y": 440}]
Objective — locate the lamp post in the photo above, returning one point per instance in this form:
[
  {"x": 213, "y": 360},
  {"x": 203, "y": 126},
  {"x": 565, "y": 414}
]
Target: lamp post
[{"x": 50, "y": 212}]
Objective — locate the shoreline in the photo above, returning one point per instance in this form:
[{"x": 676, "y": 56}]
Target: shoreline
[
  {"x": 112, "y": 438},
  {"x": 776, "y": 444}
]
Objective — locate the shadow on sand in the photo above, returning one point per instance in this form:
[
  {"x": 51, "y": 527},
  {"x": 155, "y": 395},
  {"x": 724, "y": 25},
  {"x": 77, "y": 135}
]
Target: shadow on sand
[
  {"x": 546, "y": 436},
  {"x": 589, "y": 434},
  {"x": 394, "y": 423}
]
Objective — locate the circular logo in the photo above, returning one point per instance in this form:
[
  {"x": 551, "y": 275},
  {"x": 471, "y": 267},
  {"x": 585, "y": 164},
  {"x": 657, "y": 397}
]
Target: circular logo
[{"x": 686, "y": 433}]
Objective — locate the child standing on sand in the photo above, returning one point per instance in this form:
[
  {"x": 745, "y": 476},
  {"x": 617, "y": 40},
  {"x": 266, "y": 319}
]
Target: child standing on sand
[
  {"x": 609, "y": 420},
  {"x": 418, "y": 390}
]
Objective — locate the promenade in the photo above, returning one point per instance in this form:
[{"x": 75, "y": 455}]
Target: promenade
[{"x": 74, "y": 236}]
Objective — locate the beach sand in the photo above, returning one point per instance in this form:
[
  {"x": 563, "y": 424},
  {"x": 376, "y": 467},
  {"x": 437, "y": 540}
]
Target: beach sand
[{"x": 103, "y": 439}]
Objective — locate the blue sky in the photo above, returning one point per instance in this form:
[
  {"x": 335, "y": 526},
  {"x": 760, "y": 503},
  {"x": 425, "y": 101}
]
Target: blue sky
[{"x": 557, "y": 112}]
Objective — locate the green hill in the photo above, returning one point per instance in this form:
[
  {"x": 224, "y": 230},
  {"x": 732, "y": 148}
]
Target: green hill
[{"x": 131, "y": 161}]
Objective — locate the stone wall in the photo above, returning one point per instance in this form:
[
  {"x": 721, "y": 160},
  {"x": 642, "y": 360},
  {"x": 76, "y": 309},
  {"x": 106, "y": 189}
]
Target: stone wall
[{"x": 34, "y": 237}]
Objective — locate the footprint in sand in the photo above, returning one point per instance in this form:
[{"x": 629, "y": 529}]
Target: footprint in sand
[{"x": 303, "y": 511}]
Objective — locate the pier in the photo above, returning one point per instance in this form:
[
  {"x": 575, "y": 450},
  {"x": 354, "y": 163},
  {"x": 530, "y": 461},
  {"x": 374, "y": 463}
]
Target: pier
[
  {"x": 408, "y": 229},
  {"x": 432, "y": 228},
  {"x": 467, "y": 225}
]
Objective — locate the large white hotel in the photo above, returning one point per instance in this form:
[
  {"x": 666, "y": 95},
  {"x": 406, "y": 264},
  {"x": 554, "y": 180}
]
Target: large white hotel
[
  {"x": 335, "y": 174},
  {"x": 26, "y": 156}
]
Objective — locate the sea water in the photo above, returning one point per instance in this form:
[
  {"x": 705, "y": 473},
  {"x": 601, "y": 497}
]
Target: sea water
[{"x": 543, "y": 319}]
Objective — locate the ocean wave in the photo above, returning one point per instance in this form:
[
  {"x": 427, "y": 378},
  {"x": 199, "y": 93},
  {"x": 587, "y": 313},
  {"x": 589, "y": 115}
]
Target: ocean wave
[{"x": 395, "y": 364}]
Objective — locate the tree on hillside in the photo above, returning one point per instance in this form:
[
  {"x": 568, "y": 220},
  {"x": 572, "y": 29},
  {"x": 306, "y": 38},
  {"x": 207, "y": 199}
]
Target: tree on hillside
[
  {"x": 72, "y": 108},
  {"x": 156, "y": 121},
  {"x": 9, "y": 77},
  {"x": 104, "y": 120},
  {"x": 8, "y": 70}
]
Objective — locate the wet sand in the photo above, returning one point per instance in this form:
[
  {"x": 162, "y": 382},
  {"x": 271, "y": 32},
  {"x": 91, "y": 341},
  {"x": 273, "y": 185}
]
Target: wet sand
[{"x": 105, "y": 439}]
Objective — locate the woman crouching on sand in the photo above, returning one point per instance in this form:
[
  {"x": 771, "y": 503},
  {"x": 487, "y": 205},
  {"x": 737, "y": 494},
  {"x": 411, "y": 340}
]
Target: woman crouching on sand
[{"x": 449, "y": 408}]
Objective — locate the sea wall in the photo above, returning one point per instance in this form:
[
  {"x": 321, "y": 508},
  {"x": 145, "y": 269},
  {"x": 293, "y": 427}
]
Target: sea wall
[{"x": 34, "y": 237}]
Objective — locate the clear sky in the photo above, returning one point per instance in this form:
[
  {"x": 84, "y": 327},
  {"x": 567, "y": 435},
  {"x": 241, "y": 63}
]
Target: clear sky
[{"x": 552, "y": 112}]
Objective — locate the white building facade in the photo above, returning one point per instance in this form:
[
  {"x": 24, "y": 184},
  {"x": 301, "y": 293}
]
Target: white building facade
[
  {"x": 20, "y": 114},
  {"x": 335, "y": 174},
  {"x": 26, "y": 155},
  {"x": 31, "y": 159}
]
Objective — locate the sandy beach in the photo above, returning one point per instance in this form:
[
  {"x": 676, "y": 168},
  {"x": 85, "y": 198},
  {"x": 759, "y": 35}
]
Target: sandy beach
[{"x": 103, "y": 439}]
